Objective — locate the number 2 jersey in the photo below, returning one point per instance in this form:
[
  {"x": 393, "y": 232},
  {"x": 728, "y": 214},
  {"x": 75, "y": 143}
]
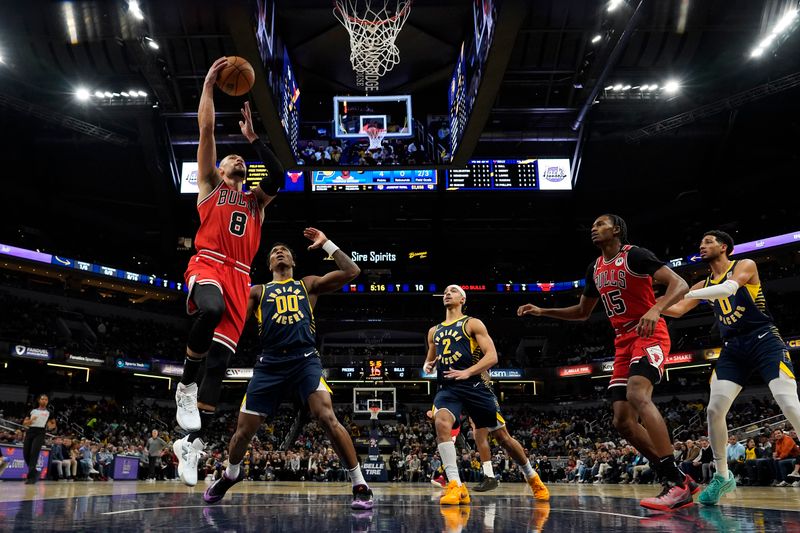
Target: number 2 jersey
[
  {"x": 624, "y": 284},
  {"x": 230, "y": 226},
  {"x": 456, "y": 350}
]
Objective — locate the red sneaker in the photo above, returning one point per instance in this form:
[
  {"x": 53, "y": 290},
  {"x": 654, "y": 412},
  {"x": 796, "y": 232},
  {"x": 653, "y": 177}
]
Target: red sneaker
[
  {"x": 439, "y": 482},
  {"x": 672, "y": 497}
]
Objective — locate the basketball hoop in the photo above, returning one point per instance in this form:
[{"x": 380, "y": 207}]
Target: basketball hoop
[
  {"x": 373, "y": 30},
  {"x": 375, "y": 136},
  {"x": 374, "y": 411}
]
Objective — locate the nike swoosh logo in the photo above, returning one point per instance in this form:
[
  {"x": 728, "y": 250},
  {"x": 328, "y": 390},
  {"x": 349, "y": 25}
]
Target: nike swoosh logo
[
  {"x": 309, "y": 353},
  {"x": 763, "y": 335}
]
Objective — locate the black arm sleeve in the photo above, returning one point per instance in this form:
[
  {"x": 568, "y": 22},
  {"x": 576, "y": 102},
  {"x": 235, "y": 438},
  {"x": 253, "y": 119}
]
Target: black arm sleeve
[
  {"x": 275, "y": 171},
  {"x": 590, "y": 290},
  {"x": 642, "y": 261}
]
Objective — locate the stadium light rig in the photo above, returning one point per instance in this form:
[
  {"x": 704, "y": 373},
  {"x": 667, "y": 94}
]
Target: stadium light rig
[
  {"x": 135, "y": 10},
  {"x": 644, "y": 91},
  {"x": 614, "y": 4},
  {"x": 778, "y": 34},
  {"x": 129, "y": 97}
]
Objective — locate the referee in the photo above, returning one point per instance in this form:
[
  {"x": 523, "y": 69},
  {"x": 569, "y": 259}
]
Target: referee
[{"x": 36, "y": 423}]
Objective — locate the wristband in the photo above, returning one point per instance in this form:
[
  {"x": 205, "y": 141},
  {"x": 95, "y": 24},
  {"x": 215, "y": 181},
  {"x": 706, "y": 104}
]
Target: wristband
[{"x": 330, "y": 247}]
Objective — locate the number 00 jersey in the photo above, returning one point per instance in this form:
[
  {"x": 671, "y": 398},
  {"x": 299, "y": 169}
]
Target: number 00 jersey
[
  {"x": 743, "y": 312},
  {"x": 230, "y": 226},
  {"x": 456, "y": 350},
  {"x": 624, "y": 285},
  {"x": 285, "y": 322}
]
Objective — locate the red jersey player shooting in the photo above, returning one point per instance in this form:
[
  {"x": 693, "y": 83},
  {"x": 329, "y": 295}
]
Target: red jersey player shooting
[
  {"x": 622, "y": 277},
  {"x": 218, "y": 276}
]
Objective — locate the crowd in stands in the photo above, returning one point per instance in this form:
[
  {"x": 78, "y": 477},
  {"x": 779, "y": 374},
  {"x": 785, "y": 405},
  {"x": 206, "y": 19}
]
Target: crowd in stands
[
  {"x": 357, "y": 153},
  {"x": 571, "y": 445}
]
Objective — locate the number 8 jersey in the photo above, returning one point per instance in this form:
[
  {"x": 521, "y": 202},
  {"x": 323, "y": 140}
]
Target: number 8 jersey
[
  {"x": 230, "y": 224},
  {"x": 624, "y": 285}
]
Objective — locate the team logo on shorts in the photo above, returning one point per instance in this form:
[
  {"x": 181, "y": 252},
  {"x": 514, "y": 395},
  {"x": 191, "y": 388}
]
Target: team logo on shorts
[{"x": 655, "y": 355}]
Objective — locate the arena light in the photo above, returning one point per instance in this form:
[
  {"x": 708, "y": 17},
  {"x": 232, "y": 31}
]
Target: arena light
[
  {"x": 626, "y": 88},
  {"x": 672, "y": 86},
  {"x": 596, "y": 38},
  {"x": 618, "y": 87},
  {"x": 59, "y": 365},
  {"x": 107, "y": 94},
  {"x": 135, "y": 10},
  {"x": 781, "y": 28},
  {"x": 125, "y": 94},
  {"x": 653, "y": 87},
  {"x": 99, "y": 94},
  {"x": 151, "y": 43},
  {"x": 614, "y": 4},
  {"x": 142, "y": 93},
  {"x": 82, "y": 94}
]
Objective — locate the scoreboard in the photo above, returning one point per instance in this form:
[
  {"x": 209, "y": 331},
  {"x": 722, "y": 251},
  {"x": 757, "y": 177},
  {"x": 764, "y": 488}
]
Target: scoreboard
[
  {"x": 413, "y": 179},
  {"x": 372, "y": 370},
  {"x": 511, "y": 175}
]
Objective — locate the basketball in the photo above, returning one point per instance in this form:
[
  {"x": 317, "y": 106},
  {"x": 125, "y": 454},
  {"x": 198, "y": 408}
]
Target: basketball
[{"x": 237, "y": 78}]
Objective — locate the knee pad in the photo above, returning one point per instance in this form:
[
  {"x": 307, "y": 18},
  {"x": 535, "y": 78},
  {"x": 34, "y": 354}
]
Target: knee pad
[{"x": 216, "y": 364}]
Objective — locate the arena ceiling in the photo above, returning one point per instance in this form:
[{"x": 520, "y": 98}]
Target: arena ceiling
[{"x": 95, "y": 178}]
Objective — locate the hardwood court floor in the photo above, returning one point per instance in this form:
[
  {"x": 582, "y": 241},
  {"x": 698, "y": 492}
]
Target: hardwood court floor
[{"x": 321, "y": 507}]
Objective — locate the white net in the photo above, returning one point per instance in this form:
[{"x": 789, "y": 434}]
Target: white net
[
  {"x": 375, "y": 136},
  {"x": 373, "y": 30}
]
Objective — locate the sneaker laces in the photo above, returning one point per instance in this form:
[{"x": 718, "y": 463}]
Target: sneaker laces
[{"x": 184, "y": 401}]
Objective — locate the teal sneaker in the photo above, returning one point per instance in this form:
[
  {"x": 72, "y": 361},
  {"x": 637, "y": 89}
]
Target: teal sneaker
[{"x": 718, "y": 487}]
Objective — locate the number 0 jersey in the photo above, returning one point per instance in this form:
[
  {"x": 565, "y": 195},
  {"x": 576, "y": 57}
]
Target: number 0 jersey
[
  {"x": 285, "y": 322},
  {"x": 743, "y": 312},
  {"x": 230, "y": 226},
  {"x": 624, "y": 285},
  {"x": 456, "y": 350}
]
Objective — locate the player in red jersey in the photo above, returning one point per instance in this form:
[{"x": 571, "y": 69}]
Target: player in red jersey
[
  {"x": 623, "y": 278},
  {"x": 218, "y": 276}
]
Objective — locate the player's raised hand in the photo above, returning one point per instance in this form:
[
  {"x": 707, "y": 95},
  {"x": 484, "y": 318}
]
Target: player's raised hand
[
  {"x": 216, "y": 68},
  {"x": 316, "y": 236},
  {"x": 529, "y": 309},
  {"x": 246, "y": 124},
  {"x": 458, "y": 375}
]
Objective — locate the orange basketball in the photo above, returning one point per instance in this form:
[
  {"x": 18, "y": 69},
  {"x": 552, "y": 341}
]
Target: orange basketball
[{"x": 237, "y": 78}]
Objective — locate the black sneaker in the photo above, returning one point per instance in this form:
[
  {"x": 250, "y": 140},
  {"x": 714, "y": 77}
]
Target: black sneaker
[
  {"x": 362, "y": 498},
  {"x": 488, "y": 483},
  {"x": 216, "y": 491}
]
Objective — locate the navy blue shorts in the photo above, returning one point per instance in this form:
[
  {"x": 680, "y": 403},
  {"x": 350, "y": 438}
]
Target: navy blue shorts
[
  {"x": 763, "y": 351},
  {"x": 274, "y": 383},
  {"x": 477, "y": 399}
]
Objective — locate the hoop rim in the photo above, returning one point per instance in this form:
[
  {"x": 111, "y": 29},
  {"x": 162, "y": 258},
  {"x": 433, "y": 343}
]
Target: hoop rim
[{"x": 364, "y": 22}]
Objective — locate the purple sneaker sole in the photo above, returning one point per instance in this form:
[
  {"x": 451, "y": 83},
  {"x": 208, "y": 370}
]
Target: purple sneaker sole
[
  {"x": 363, "y": 505},
  {"x": 210, "y": 497}
]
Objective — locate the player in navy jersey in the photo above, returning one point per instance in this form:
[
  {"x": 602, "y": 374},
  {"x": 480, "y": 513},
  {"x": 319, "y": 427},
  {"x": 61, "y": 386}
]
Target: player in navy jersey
[
  {"x": 622, "y": 277},
  {"x": 462, "y": 352},
  {"x": 751, "y": 342},
  {"x": 289, "y": 364}
]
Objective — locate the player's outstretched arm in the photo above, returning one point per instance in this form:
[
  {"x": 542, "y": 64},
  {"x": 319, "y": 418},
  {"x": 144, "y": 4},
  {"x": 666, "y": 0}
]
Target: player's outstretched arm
[
  {"x": 682, "y": 307},
  {"x": 430, "y": 359},
  {"x": 581, "y": 311},
  {"x": 477, "y": 330},
  {"x": 676, "y": 290},
  {"x": 207, "y": 174},
  {"x": 268, "y": 187},
  {"x": 745, "y": 272},
  {"x": 335, "y": 280}
]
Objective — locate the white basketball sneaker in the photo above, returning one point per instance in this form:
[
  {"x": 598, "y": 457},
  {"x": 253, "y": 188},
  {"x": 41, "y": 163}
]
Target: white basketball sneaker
[
  {"x": 188, "y": 456},
  {"x": 188, "y": 416}
]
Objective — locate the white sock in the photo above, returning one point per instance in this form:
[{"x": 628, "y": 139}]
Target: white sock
[
  {"x": 528, "y": 470},
  {"x": 723, "y": 392},
  {"x": 232, "y": 472},
  {"x": 447, "y": 450},
  {"x": 488, "y": 471},
  {"x": 356, "y": 476}
]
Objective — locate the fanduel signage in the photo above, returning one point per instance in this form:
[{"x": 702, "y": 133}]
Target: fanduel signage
[{"x": 28, "y": 352}]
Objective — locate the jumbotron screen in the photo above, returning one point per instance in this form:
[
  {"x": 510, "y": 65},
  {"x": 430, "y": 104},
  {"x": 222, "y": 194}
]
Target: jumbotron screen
[
  {"x": 416, "y": 179},
  {"x": 293, "y": 180},
  {"x": 512, "y": 175}
]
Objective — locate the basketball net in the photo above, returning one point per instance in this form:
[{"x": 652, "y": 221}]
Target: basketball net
[
  {"x": 373, "y": 30},
  {"x": 375, "y": 136},
  {"x": 373, "y": 413}
]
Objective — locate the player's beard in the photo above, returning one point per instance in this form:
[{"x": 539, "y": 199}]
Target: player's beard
[{"x": 238, "y": 174}]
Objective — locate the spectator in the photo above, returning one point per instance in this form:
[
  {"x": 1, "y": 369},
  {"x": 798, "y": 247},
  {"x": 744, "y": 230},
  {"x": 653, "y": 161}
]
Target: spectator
[
  {"x": 736, "y": 456},
  {"x": 155, "y": 448},
  {"x": 706, "y": 461},
  {"x": 689, "y": 458},
  {"x": 783, "y": 457}
]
